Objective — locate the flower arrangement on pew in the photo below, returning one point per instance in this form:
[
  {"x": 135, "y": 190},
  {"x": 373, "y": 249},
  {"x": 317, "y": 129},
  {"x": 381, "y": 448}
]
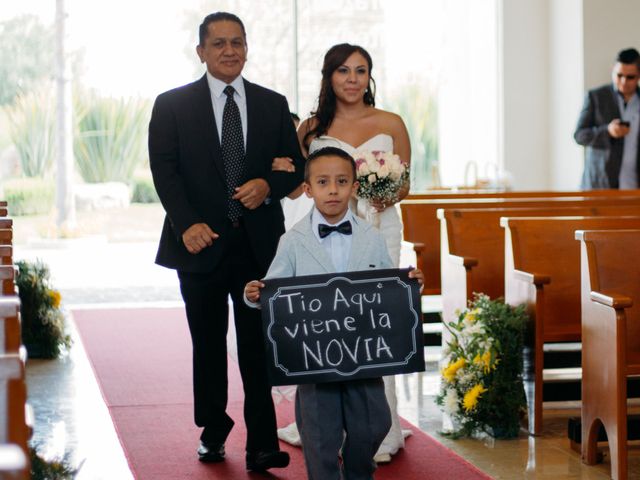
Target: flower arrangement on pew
[
  {"x": 380, "y": 175},
  {"x": 481, "y": 387},
  {"x": 43, "y": 330}
]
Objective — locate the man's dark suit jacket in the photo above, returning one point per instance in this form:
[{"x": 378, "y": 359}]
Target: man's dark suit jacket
[
  {"x": 188, "y": 171},
  {"x": 603, "y": 156}
]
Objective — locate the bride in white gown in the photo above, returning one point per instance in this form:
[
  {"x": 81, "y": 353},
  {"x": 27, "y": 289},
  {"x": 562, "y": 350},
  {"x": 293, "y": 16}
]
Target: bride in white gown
[{"x": 347, "y": 118}]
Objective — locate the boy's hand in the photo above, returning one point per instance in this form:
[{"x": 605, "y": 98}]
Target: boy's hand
[
  {"x": 252, "y": 290},
  {"x": 418, "y": 275}
]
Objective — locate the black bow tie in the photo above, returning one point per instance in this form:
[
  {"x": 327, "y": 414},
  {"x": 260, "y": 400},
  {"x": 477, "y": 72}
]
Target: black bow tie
[{"x": 344, "y": 228}]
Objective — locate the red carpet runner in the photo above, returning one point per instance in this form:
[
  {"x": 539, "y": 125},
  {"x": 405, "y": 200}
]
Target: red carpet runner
[{"x": 142, "y": 360}]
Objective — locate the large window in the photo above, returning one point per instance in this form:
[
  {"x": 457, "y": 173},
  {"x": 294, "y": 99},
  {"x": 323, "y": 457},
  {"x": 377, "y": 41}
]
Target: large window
[{"x": 435, "y": 61}]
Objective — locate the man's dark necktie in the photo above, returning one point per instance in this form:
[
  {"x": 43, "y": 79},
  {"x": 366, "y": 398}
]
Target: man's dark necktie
[
  {"x": 232, "y": 151},
  {"x": 344, "y": 228}
]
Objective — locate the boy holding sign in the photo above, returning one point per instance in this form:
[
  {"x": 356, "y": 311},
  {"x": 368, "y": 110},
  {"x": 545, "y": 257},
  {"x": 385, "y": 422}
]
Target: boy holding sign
[{"x": 353, "y": 415}]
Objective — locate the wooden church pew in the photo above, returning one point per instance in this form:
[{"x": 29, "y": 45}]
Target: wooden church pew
[
  {"x": 472, "y": 248},
  {"x": 6, "y": 255},
  {"x": 7, "y": 280},
  {"x": 480, "y": 193},
  {"x": 6, "y": 236},
  {"x": 421, "y": 226},
  {"x": 610, "y": 296},
  {"x": 542, "y": 270},
  {"x": 10, "y": 324}
]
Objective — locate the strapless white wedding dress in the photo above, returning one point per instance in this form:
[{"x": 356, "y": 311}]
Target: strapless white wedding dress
[{"x": 389, "y": 224}]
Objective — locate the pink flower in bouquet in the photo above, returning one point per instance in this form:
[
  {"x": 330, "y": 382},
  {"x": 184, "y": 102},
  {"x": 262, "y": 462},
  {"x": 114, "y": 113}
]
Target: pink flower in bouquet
[{"x": 380, "y": 174}]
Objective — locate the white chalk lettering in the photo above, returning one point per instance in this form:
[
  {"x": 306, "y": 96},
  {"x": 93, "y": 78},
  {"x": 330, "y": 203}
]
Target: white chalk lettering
[
  {"x": 307, "y": 351},
  {"x": 339, "y": 350},
  {"x": 381, "y": 346},
  {"x": 315, "y": 305},
  {"x": 293, "y": 333},
  {"x": 316, "y": 326},
  {"x": 366, "y": 346},
  {"x": 352, "y": 353},
  {"x": 339, "y": 297},
  {"x": 333, "y": 352},
  {"x": 348, "y": 321},
  {"x": 290, "y": 303},
  {"x": 383, "y": 320}
]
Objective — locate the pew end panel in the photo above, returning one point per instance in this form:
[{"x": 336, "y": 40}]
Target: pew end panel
[
  {"x": 610, "y": 295},
  {"x": 542, "y": 270}
]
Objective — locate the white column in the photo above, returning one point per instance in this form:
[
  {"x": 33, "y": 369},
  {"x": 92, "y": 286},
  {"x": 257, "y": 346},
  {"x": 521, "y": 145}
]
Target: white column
[{"x": 65, "y": 201}]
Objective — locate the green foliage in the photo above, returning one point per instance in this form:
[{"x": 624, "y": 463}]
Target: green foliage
[
  {"x": 42, "y": 320},
  {"x": 418, "y": 108},
  {"x": 110, "y": 142},
  {"x": 144, "y": 191},
  {"x": 481, "y": 388},
  {"x": 31, "y": 129},
  {"x": 26, "y": 56},
  {"x": 28, "y": 196},
  {"x": 42, "y": 469}
]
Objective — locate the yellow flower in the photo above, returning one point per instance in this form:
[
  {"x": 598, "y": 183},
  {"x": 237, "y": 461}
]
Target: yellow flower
[
  {"x": 55, "y": 298},
  {"x": 449, "y": 372},
  {"x": 471, "y": 397},
  {"x": 484, "y": 360},
  {"x": 471, "y": 316}
]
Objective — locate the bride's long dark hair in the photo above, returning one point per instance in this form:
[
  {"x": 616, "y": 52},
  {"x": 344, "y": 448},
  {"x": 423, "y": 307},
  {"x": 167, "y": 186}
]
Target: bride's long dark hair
[{"x": 326, "y": 110}]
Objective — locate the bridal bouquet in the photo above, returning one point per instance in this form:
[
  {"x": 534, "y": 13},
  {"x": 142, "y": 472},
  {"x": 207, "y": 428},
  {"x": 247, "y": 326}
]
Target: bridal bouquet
[
  {"x": 380, "y": 174},
  {"x": 481, "y": 386}
]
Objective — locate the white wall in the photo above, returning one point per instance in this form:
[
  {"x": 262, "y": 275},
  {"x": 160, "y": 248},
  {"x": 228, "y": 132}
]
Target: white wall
[
  {"x": 609, "y": 26},
  {"x": 524, "y": 65},
  {"x": 468, "y": 90},
  {"x": 566, "y": 93}
]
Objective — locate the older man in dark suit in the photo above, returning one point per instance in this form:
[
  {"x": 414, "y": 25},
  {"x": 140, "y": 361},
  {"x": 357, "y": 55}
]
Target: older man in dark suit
[
  {"x": 609, "y": 128},
  {"x": 211, "y": 146}
]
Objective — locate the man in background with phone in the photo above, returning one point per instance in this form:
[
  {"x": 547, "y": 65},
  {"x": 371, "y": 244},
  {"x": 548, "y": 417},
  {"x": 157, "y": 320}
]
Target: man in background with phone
[{"x": 609, "y": 128}]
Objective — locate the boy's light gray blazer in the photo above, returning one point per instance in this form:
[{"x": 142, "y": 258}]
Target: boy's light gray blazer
[{"x": 300, "y": 253}]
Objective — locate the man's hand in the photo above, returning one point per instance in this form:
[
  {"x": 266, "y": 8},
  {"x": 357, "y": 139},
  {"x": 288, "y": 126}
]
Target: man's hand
[
  {"x": 617, "y": 130},
  {"x": 252, "y": 290},
  {"x": 198, "y": 237},
  {"x": 252, "y": 193},
  {"x": 283, "y": 164}
]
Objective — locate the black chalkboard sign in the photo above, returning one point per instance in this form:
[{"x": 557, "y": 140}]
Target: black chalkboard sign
[{"x": 326, "y": 328}]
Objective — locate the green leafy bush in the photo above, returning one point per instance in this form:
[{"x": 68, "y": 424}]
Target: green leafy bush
[
  {"x": 110, "y": 142},
  {"x": 28, "y": 196},
  {"x": 42, "y": 469},
  {"x": 42, "y": 320},
  {"x": 31, "y": 129},
  {"x": 144, "y": 191}
]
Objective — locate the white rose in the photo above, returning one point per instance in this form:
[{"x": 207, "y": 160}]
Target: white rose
[
  {"x": 372, "y": 178},
  {"x": 363, "y": 169},
  {"x": 374, "y": 166},
  {"x": 384, "y": 171}
]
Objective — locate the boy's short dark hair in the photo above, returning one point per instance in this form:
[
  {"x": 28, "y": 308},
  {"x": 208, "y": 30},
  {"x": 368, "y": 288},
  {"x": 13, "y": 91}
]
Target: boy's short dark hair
[
  {"x": 329, "y": 152},
  {"x": 629, "y": 56}
]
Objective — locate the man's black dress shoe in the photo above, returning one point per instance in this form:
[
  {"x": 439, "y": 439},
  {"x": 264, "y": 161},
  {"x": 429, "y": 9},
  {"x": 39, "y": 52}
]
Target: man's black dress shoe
[
  {"x": 211, "y": 452},
  {"x": 261, "y": 461}
]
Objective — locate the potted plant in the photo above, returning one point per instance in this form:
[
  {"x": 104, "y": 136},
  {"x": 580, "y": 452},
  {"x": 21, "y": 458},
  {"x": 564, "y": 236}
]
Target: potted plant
[
  {"x": 43, "y": 331},
  {"x": 481, "y": 387}
]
